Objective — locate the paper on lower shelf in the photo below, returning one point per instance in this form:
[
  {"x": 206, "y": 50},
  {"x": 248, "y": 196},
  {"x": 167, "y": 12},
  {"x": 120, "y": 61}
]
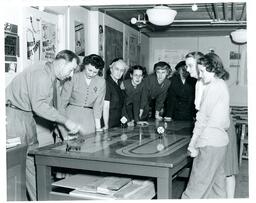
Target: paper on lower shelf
[
  {"x": 89, "y": 195},
  {"x": 12, "y": 142},
  {"x": 137, "y": 189},
  {"x": 81, "y": 182},
  {"x": 111, "y": 184}
]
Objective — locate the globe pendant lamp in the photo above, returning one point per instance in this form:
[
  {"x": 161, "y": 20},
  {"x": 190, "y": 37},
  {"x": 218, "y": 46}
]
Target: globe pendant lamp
[
  {"x": 239, "y": 36},
  {"x": 161, "y": 15}
]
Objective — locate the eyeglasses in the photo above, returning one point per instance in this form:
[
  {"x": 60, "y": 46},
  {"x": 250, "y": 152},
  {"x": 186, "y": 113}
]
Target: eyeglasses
[{"x": 137, "y": 76}]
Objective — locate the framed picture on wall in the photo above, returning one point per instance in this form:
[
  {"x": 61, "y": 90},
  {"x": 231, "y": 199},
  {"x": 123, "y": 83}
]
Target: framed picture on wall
[
  {"x": 79, "y": 39},
  {"x": 113, "y": 45},
  {"x": 49, "y": 40},
  {"x": 234, "y": 58},
  {"x": 33, "y": 37}
]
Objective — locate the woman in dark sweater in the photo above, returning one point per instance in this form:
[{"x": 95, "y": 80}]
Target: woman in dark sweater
[
  {"x": 114, "y": 98},
  {"x": 181, "y": 95}
]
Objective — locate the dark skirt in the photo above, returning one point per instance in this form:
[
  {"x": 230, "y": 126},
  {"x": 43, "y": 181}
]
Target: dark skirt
[{"x": 231, "y": 160}]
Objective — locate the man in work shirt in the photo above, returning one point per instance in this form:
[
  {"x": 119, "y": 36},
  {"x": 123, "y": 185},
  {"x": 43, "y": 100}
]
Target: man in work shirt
[
  {"x": 154, "y": 92},
  {"x": 32, "y": 92}
]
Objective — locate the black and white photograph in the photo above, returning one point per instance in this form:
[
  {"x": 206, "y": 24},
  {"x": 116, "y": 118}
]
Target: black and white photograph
[{"x": 128, "y": 100}]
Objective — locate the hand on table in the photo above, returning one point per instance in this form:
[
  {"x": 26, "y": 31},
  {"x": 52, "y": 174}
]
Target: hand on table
[
  {"x": 142, "y": 123},
  {"x": 159, "y": 118},
  {"x": 140, "y": 114},
  {"x": 167, "y": 119},
  {"x": 99, "y": 130},
  {"x": 130, "y": 123},
  {"x": 105, "y": 128},
  {"x": 72, "y": 127}
]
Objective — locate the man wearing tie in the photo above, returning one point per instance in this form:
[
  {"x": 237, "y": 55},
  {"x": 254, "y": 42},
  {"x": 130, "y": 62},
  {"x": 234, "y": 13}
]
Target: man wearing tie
[{"x": 32, "y": 92}]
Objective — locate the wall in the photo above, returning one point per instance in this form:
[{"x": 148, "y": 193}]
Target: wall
[
  {"x": 81, "y": 15},
  {"x": 128, "y": 32},
  {"x": 38, "y": 17},
  {"x": 222, "y": 46},
  {"x": 144, "y": 57},
  {"x": 17, "y": 20}
]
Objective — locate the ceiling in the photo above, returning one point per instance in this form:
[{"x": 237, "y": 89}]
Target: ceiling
[{"x": 211, "y": 19}]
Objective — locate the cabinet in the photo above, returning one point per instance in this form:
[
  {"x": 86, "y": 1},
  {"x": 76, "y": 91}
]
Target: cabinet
[{"x": 16, "y": 173}]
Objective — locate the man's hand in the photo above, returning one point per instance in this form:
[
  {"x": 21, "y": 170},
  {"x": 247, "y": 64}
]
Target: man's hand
[{"x": 72, "y": 127}]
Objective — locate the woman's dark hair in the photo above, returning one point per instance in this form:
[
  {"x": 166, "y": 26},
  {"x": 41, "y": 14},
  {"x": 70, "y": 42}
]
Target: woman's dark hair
[
  {"x": 213, "y": 63},
  {"x": 67, "y": 55},
  {"x": 162, "y": 65},
  {"x": 137, "y": 67},
  {"x": 95, "y": 60}
]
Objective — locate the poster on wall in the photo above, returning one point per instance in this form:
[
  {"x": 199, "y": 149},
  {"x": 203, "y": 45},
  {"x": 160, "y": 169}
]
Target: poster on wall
[
  {"x": 79, "y": 39},
  {"x": 48, "y": 41},
  {"x": 172, "y": 57},
  {"x": 113, "y": 45},
  {"x": 33, "y": 36},
  {"x": 234, "y": 59},
  {"x": 101, "y": 41},
  {"x": 133, "y": 50},
  {"x": 126, "y": 49}
]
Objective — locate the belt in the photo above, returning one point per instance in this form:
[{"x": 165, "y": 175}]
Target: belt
[{"x": 86, "y": 107}]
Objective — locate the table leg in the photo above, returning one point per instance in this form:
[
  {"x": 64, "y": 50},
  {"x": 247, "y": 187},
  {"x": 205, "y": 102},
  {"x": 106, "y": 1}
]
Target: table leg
[
  {"x": 164, "y": 188},
  {"x": 43, "y": 180}
]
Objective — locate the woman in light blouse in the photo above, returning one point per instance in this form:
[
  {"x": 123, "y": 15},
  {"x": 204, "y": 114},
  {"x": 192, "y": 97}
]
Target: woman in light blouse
[
  {"x": 209, "y": 141},
  {"x": 82, "y": 97},
  {"x": 231, "y": 161}
]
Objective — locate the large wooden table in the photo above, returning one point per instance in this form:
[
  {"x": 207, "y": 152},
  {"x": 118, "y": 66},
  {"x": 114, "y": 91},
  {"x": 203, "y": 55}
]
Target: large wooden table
[{"x": 134, "y": 151}]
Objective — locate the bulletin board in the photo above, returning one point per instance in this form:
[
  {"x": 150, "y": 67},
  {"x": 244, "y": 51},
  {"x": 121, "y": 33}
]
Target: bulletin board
[
  {"x": 49, "y": 41},
  {"x": 79, "y": 39},
  {"x": 113, "y": 45},
  {"x": 134, "y": 51}
]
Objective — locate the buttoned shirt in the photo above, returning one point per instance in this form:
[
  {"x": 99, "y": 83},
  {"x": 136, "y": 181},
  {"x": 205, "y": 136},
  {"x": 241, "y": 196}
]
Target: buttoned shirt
[
  {"x": 32, "y": 90},
  {"x": 77, "y": 92},
  {"x": 153, "y": 90}
]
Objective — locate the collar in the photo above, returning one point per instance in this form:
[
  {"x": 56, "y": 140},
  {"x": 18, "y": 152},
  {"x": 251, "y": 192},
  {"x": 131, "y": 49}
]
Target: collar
[{"x": 50, "y": 70}]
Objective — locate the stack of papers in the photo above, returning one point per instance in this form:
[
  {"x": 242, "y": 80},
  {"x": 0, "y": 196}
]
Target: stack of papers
[
  {"x": 137, "y": 189},
  {"x": 98, "y": 187},
  {"x": 110, "y": 185},
  {"x": 84, "y": 183},
  {"x": 12, "y": 142}
]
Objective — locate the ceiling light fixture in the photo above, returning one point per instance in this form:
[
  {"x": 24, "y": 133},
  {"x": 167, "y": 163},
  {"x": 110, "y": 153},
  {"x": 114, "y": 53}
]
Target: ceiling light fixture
[
  {"x": 161, "y": 15},
  {"x": 140, "y": 23},
  {"x": 239, "y": 36}
]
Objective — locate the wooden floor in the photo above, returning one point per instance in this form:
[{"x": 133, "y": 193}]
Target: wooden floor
[
  {"x": 242, "y": 187},
  {"x": 242, "y": 183}
]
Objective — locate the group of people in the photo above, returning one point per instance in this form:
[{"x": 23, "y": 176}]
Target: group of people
[{"x": 77, "y": 98}]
